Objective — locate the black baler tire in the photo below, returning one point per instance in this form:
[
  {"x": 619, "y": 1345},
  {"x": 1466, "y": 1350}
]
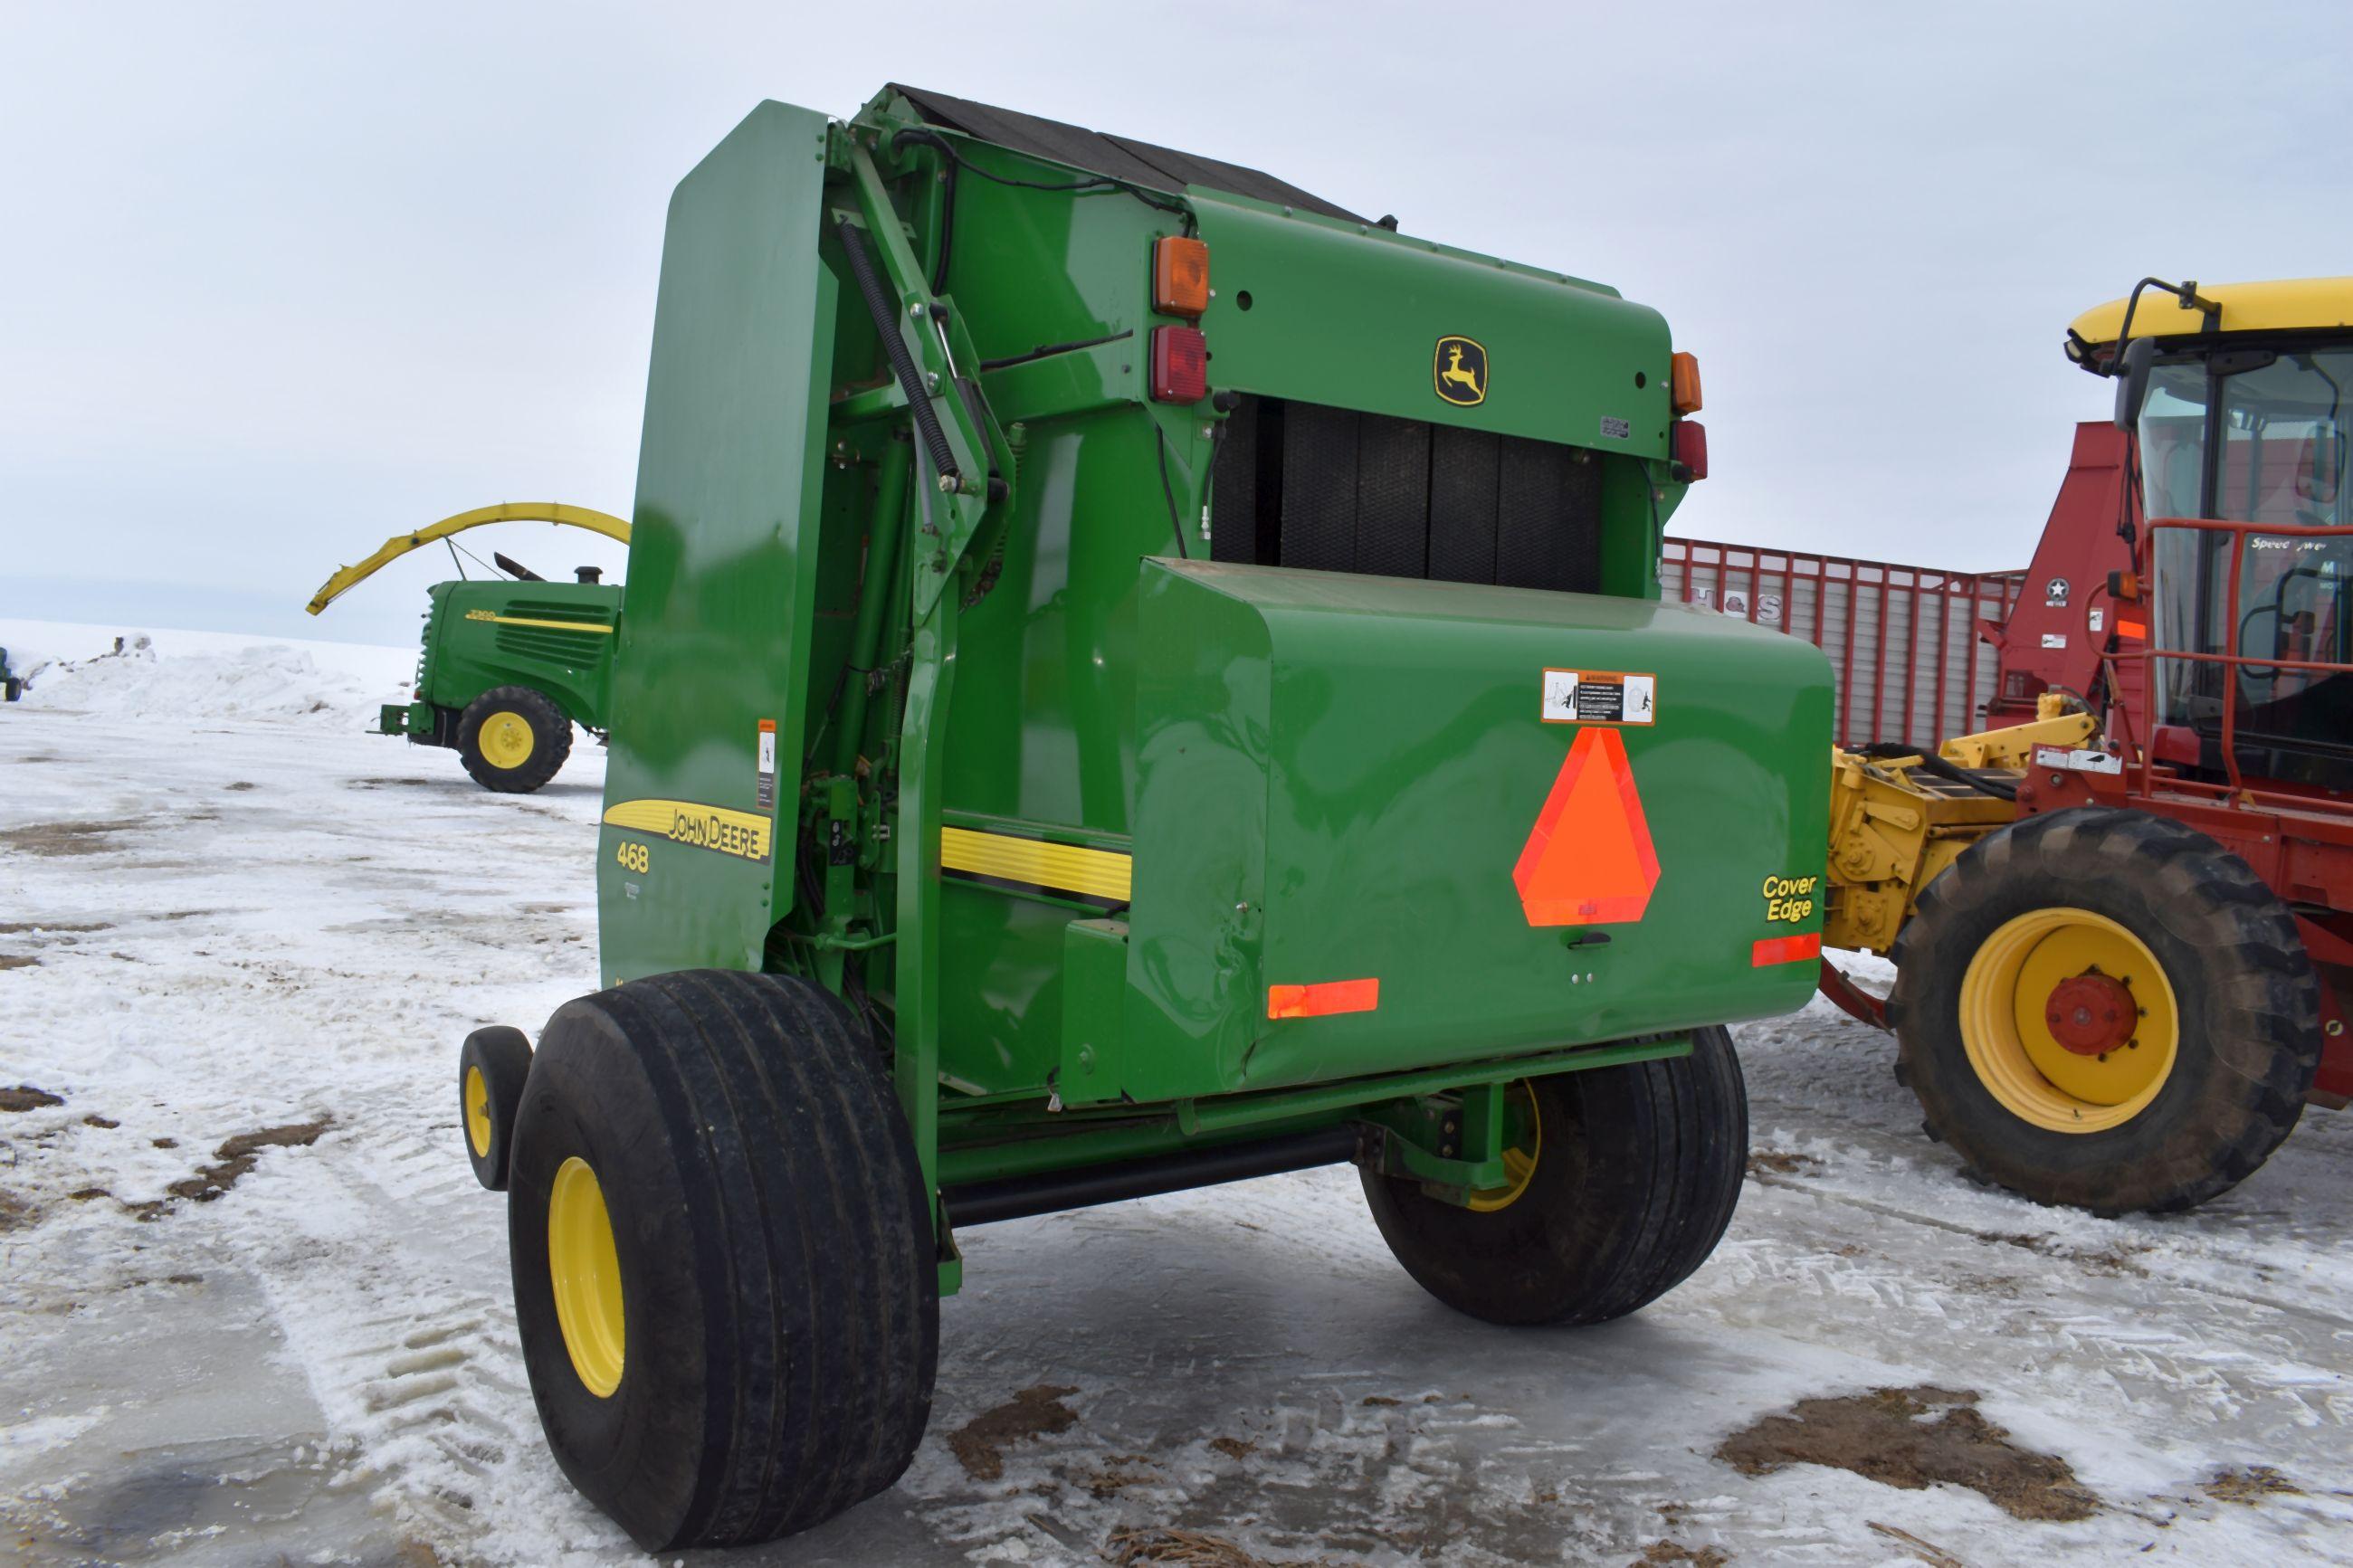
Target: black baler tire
[
  {"x": 773, "y": 1242},
  {"x": 1636, "y": 1179},
  {"x": 550, "y": 731},
  {"x": 2244, "y": 992},
  {"x": 503, "y": 1056}
]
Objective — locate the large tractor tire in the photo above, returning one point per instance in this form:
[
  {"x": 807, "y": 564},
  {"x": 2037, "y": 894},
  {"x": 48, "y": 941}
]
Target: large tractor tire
[
  {"x": 2105, "y": 1009},
  {"x": 725, "y": 1271},
  {"x": 1621, "y": 1184},
  {"x": 513, "y": 739}
]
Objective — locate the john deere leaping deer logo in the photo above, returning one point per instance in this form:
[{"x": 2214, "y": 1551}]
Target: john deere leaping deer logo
[{"x": 1460, "y": 371}]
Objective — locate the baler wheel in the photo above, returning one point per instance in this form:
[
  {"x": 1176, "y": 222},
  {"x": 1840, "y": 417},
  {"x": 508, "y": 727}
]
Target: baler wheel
[
  {"x": 1623, "y": 1189},
  {"x": 2105, "y": 1009},
  {"x": 492, "y": 1066},
  {"x": 725, "y": 1271},
  {"x": 513, "y": 739}
]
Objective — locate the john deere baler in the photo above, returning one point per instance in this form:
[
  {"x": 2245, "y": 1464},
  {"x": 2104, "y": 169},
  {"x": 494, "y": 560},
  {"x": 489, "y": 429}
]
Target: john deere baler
[{"x": 1134, "y": 676}]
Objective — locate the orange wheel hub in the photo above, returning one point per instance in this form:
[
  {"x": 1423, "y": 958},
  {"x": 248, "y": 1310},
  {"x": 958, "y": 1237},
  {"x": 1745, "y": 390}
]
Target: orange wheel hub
[{"x": 2090, "y": 1013}]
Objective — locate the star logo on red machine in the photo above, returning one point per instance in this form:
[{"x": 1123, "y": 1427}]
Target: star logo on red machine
[{"x": 1589, "y": 859}]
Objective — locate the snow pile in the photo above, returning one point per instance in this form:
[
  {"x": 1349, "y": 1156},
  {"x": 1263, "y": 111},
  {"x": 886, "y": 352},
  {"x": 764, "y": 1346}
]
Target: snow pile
[{"x": 265, "y": 682}]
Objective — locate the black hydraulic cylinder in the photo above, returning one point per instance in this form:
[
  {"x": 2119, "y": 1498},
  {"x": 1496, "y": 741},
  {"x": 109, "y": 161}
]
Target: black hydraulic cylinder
[
  {"x": 881, "y": 307},
  {"x": 1016, "y": 1197}
]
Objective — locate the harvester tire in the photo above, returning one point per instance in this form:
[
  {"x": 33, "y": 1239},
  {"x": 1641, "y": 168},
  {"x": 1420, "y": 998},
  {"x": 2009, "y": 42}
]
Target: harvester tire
[
  {"x": 493, "y": 1065},
  {"x": 725, "y": 1271},
  {"x": 2035, "y": 935},
  {"x": 1635, "y": 1173},
  {"x": 513, "y": 739}
]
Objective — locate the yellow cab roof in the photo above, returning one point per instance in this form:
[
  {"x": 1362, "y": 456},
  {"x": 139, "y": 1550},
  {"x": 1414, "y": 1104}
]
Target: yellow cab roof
[{"x": 2286, "y": 304}]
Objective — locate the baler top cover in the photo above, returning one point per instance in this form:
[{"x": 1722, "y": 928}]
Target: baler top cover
[{"x": 1120, "y": 157}]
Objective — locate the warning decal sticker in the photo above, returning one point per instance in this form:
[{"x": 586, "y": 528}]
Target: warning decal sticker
[
  {"x": 1598, "y": 697},
  {"x": 764, "y": 779}
]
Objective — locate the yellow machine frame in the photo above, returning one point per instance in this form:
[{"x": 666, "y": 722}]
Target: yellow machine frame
[{"x": 1895, "y": 825}]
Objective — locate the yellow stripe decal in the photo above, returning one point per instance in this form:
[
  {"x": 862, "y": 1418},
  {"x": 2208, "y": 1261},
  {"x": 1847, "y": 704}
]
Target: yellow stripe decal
[
  {"x": 551, "y": 626},
  {"x": 1065, "y": 867},
  {"x": 745, "y": 833}
]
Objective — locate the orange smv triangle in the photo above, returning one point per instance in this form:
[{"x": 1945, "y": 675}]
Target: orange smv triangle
[{"x": 1590, "y": 860}]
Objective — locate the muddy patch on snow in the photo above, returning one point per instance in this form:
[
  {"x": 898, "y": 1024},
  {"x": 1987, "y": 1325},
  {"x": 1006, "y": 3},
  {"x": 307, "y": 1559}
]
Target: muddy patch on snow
[
  {"x": 1119, "y": 1472},
  {"x": 88, "y": 837},
  {"x": 2116, "y": 1257},
  {"x": 1781, "y": 1162},
  {"x": 25, "y": 1097},
  {"x": 2249, "y": 1486},
  {"x": 16, "y": 1213},
  {"x": 45, "y": 928},
  {"x": 980, "y": 1443},
  {"x": 237, "y": 1157},
  {"x": 1675, "y": 1554},
  {"x": 1913, "y": 1438},
  {"x": 1190, "y": 1549},
  {"x": 18, "y": 960}
]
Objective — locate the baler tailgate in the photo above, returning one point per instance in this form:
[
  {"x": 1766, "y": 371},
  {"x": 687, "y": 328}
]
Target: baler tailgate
[{"x": 1381, "y": 823}]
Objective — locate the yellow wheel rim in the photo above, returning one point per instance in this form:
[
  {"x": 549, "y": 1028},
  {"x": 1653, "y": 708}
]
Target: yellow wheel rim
[
  {"x": 2006, "y": 995},
  {"x": 477, "y": 1113},
  {"x": 586, "y": 1273},
  {"x": 1519, "y": 1160},
  {"x": 506, "y": 739}
]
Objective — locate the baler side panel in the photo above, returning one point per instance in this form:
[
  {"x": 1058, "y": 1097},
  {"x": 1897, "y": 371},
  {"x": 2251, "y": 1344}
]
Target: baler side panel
[
  {"x": 1042, "y": 730},
  {"x": 721, "y": 585}
]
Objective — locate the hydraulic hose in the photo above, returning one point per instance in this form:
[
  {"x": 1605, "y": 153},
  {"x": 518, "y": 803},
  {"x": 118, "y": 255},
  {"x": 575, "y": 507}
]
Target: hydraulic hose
[{"x": 1984, "y": 783}]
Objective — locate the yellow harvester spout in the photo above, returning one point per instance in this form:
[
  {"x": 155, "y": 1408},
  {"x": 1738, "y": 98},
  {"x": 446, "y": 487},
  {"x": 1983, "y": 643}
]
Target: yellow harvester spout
[{"x": 400, "y": 544}]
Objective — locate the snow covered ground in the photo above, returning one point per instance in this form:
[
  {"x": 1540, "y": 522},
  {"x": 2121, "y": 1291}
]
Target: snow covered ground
[{"x": 227, "y": 910}]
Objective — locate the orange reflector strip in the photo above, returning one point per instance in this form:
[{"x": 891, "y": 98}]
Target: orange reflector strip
[
  {"x": 1784, "y": 950},
  {"x": 2132, "y": 628},
  {"x": 1316, "y": 1001}
]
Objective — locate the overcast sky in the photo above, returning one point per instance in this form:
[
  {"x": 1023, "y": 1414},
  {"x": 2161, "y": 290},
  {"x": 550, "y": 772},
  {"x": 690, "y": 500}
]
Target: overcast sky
[{"x": 277, "y": 282}]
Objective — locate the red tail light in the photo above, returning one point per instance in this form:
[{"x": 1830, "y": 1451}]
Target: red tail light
[
  {"x": 1691, "y": 448},
  {"x": 1181, "y": 365}
]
